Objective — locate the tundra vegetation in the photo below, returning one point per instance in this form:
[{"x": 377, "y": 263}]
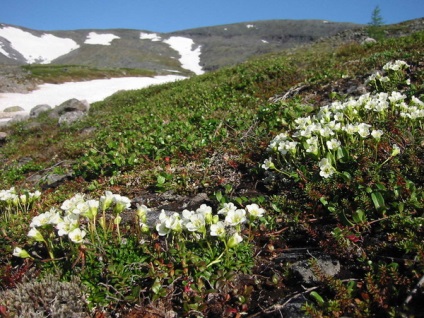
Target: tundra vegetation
[{"x": 317, "y": 148}]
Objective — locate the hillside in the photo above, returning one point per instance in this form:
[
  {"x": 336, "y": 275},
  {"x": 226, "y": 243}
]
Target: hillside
[
  {"x": 290, "y": 184},
  {"x": 121, "y": 48}
]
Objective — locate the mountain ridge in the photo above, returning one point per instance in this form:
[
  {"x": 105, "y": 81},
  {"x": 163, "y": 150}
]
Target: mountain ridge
[{"x": 220, "y": 45}]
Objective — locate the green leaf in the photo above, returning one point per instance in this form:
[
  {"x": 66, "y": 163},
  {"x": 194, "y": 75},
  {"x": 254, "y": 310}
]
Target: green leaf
[
  {"x": 378, "y": 201},
  {"x": 161, "y": 179},
  {"x": 157, "y": 286},
  {"x": 359, "y": 216},
  {"x": 346, "y": 176},
  {"x": 323, "y": 201},
  {"x": 318, "y": 298},
  {"x": 342, "y": 154},
  {"x": 218, "y": 196}
]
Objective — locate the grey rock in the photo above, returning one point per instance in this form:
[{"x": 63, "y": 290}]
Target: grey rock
[
  {"x": 328, "y": 266},
  {"x": 53, "y": 180},
  {"x": 37, "y": 110},
  {"x": 368, "y": 41},
  {"x": 71, "y": 105},
  {"x": 294, "y": 308},
  {"x": 13, "y": 109},
  {"x": 19, "y": 118},
  {"x": 197, "y": 201},
  {"x": 70, "y": 117}
]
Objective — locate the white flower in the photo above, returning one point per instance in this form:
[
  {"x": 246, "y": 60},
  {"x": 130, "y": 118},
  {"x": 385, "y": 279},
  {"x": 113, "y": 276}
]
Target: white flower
[
  {"x": 69, "y": 223},
  {"x": 376, "y": 134},
  {"x": 333, "y": 144},
  {"x": 93, "y": 208},
  {"x": 162, "y": 229},
  {"x": 234, "y": 240},
  {"x": 268, "y": 164},
  {"x": 226, "y": 208},
  {"x": 77, "y": 235},
  {"x": 19, "y": 252},
  {"x": 80, "y": 208},
  {"x": 187, "y": 215},
  {"x": 236, "y": 217},
  {"x": 121, "y": 203},
  {"x": 218, "y": 229},
  {"x": 142, "y": 211},
  {"x": 196, "y": 223},
  {"x": 206, "y": 211},
  {"x": 395, "y": 66},
  {"x": 363, "y": 130},
  {"x": 396, "y": 96},
  {"x": 35, "y": 234},
  {"x": 106, "y": 200},
  {"x": 417, "y": 102},
  {"x": 71, "y": 203},
  {"x": 326, "y": 169},
  {"x": 174, "y": 222},
  {"x": 50, "y": 217},
  {"x": 395, "y": 151},
  {"x": 254, "y": 210}
]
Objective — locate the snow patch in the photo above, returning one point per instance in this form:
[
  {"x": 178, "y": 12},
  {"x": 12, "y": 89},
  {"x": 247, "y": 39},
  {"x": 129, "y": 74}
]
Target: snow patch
[
  {"x": 101, "y": 39},
  {"x": 264, "y": 41},
  {"x": 190, "y": 58},
  {"x": 150, "y": 36},
  {"x": 91, "y": 91},
  {"x": 249, "y": 26},
  {"x": 2, "y": 51},
  {"x": 38, "y": 49}
]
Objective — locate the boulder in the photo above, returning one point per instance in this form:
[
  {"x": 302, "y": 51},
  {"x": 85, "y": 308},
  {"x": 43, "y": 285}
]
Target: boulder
[
  {"x": 37, "y": 110},
  {"x": 71, "y": 105},
  {"x": 70, "y": 117},
  {"x": 368, "y": 41},
  {"x": 13, "y": 109}
]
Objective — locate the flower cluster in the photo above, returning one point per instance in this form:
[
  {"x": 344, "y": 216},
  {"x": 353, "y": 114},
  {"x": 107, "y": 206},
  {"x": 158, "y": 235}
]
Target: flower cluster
[
  {"x": 325, "y": 135},
  {"x": 393, "y": 73},
  {"x": 9, "y": 198},
  {"x": 68, "y": 221},
  {"x": 202, "y": 221}
]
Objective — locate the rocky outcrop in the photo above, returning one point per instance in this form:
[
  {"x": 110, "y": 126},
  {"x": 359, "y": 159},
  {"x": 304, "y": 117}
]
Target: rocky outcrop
[{"x": 66, "y": 113}]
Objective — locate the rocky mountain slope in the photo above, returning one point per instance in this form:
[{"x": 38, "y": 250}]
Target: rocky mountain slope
[{"x": 215, "y": 46}]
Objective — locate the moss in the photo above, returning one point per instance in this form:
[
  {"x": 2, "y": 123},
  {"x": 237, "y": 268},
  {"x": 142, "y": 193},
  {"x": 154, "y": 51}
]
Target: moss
[{"x": 46, "y": 298}]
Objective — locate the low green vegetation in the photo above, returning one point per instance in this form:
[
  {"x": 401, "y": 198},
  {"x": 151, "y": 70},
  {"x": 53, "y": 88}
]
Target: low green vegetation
[
  {"x": 316, "y": 148},
  {"x": 50, "y": 73}
]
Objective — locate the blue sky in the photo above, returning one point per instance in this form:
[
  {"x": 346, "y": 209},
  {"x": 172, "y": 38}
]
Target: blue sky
[{"x": 174, "y": 15}]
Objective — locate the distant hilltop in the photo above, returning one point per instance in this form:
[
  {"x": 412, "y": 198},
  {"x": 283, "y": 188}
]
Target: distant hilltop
[{"x": 186, "y": 52}]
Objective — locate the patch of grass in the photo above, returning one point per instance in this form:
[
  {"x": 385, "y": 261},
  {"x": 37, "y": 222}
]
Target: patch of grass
[{"x": 55, "y": 74}]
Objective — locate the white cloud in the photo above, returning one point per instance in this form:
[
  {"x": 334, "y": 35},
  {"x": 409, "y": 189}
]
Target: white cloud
[
  {"x": 41, "y": 49},
  {"x": 102, "y": 39},
  {"x": 190, "y": 59}
]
